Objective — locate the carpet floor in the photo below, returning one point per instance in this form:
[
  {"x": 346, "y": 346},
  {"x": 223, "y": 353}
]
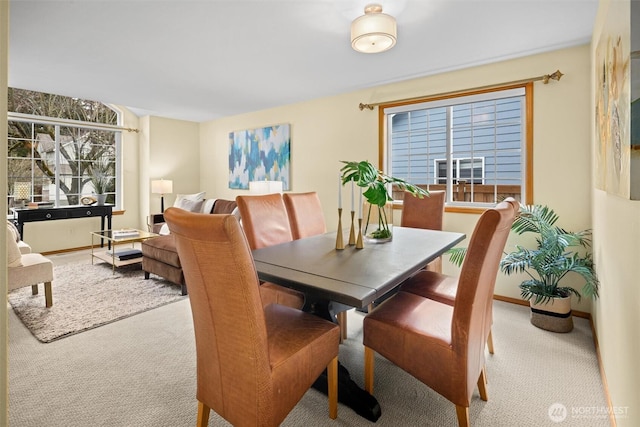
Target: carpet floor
[
  {"x": 87, "y": 295},
  {"x": 140, "y": 371}
]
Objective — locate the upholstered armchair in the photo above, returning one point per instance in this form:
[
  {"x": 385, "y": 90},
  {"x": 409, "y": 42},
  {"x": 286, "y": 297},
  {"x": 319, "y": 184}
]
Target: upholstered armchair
[{"x": 27, "y": 269}]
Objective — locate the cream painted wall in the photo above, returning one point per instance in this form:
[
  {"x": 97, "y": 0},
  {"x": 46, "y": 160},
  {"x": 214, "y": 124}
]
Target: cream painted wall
[
  {"x": 173, "y": 153},
  {"x": 4, "y": 327},
  {"x": 328, "y": 130},
  {"x": 616, "y": 314}
]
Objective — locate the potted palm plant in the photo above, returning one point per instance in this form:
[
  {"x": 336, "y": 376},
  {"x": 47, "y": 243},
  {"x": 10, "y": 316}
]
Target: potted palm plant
[
  {"x": 548, "y": 265},
  {"x": 368, "y": 177}
]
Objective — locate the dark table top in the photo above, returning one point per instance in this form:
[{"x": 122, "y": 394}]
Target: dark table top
[{"x": 355, "y": 277}]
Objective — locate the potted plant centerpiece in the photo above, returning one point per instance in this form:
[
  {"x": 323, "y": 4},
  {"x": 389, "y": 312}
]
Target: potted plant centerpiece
[
  {"x": 548, "y": 266},
  {"x": 101, "y": 180},
  {"x": 375, "y": 183}
]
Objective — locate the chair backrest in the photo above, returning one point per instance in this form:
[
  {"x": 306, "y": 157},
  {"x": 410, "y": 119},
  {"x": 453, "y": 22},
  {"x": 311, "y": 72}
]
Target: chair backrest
[
  {"x": 426, "y": 212},
  {"x": 477, "y": 280},
  {"x": 264, "y": 219},
  {"x": 233, "y": 372},
  {"x": 305, "y": 214}
]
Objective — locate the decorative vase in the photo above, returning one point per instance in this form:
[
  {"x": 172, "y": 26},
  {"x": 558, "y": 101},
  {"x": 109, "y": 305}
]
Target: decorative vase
[
  {"x": 554, "y": 316},
  {"x": 102, "y": 198},
  {"x": 378, "y": 223}
]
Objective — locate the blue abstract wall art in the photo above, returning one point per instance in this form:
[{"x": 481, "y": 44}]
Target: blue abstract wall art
[{"x": 259, "y": 154}]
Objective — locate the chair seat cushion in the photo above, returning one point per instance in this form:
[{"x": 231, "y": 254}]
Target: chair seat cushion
[
  {"x": 35, "y": 269},
  {"x": 415, "y": 333},
  {"x": 163, "y": 249},
  {"x": 429, "y": 284}
]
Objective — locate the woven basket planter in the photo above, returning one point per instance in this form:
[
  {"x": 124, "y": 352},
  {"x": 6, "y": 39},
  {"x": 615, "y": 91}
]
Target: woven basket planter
[{"x": 553, "y": 316}]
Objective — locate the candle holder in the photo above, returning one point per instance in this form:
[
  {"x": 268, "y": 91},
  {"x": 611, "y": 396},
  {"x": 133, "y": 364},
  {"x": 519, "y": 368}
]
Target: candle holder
[
  {"x": 339, "y": 241},
  {"x": 352, "y": 233},
  {"x": 359, "y": 243}
]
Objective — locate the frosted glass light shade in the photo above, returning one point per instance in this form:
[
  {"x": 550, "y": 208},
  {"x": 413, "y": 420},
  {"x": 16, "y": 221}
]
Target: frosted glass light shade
[
  {"x": 162, "y": 186},
  {"x": 265, "y": 187},
  {"x": 374, "y": 31}
]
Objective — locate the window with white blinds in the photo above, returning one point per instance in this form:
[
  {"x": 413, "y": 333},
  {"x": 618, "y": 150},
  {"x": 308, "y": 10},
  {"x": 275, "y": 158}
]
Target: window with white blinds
[{"x": 473, "y": 146}]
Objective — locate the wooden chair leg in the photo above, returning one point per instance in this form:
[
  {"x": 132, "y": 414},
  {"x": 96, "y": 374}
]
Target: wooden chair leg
[
  {"x": 482, "y": 385},
  {"x": 332, "y": 385},
  {"x": 48, "y": 297},
  {"x": 368, "y": 369},
  {"x": 463, "y": 416},
  {"x": 342, "y": 321},
  {"x": 203, "y": 415},
  {"x": 34, "y": 289},
  {"x": 490, "y": 341}
]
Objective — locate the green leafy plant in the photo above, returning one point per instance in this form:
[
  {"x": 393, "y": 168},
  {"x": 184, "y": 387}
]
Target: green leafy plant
[
  {"x": 551, "y": 261},
  {"x": 367, "y": 176}
]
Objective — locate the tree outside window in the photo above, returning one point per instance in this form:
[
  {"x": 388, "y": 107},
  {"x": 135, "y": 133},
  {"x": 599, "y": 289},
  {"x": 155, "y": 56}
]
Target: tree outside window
[{"x": 57, "y": 159}]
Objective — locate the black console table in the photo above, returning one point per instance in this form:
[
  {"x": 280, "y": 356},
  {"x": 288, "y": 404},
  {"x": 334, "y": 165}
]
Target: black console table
[{"x": 65, "y": 212}]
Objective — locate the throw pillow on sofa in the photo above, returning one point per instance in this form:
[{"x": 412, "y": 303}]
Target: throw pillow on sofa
[{"x": 195, "y": 197}]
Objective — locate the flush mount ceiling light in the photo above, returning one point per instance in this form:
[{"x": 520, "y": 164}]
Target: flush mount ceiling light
[{"x": 374, "y": 31}]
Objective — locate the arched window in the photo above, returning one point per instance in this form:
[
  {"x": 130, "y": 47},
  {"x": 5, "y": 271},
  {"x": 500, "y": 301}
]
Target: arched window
[{"x": 61, "y": 149}]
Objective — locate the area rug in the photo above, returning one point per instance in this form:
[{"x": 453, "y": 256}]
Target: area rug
[{"x": 86, "y": 296}]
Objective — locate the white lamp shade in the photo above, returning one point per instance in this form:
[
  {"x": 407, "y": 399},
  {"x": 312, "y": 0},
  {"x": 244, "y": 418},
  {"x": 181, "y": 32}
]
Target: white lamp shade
[
  {"x": 265, "y": 187},
  {"x": 374, "y": 31},
  {"x": 21, "y": 190},
  {"x": 162, "y": 186}
]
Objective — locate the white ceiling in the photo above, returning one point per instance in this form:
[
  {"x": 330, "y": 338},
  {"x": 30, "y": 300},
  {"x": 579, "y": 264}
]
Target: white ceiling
[{"x": 201, "y": 60}]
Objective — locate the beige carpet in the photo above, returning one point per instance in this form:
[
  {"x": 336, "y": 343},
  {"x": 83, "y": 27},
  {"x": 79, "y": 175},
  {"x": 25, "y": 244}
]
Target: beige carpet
[
  {"x": 140, "y": 371},
  {"x": 86, "y": 296}
]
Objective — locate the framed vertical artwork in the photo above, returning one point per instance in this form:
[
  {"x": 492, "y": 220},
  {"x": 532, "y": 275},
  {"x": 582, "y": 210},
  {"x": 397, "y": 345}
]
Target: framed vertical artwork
[
  {"x": 617, "y": 156},
  {"x": 260, "y": 154}
]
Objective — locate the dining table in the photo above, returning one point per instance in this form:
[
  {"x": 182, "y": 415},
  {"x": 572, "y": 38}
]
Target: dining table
[{"x": 334, "y": 280}]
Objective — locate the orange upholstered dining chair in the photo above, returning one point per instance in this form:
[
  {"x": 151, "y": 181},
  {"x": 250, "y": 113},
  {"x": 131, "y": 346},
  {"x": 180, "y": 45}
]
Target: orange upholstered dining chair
[
  {"x": 305, "y": 214},
  {"x": 254, "y": 363},
  {"x": 426, "y": 212},
  {"x": 444, "y": 289},
  {"x": 307, "y": 219},
  {"x": 442, "y": 345},
  {"x": 265, "y": 223}
]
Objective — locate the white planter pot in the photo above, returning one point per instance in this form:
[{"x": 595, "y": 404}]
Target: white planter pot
[{"x": 553, "y": 316}]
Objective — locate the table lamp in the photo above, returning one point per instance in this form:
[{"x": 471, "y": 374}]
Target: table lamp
[
  {"x": 162, "y": 187},
  {"x": 265, "y": 187},
  {"x": 21, "y": 192}
]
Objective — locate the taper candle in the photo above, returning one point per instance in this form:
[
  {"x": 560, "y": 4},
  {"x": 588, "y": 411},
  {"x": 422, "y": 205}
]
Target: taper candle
[
  {"x": 360, "y": 208},
  {"x": 351, "y": 196},
  {"x": 339, "y": 191}
]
